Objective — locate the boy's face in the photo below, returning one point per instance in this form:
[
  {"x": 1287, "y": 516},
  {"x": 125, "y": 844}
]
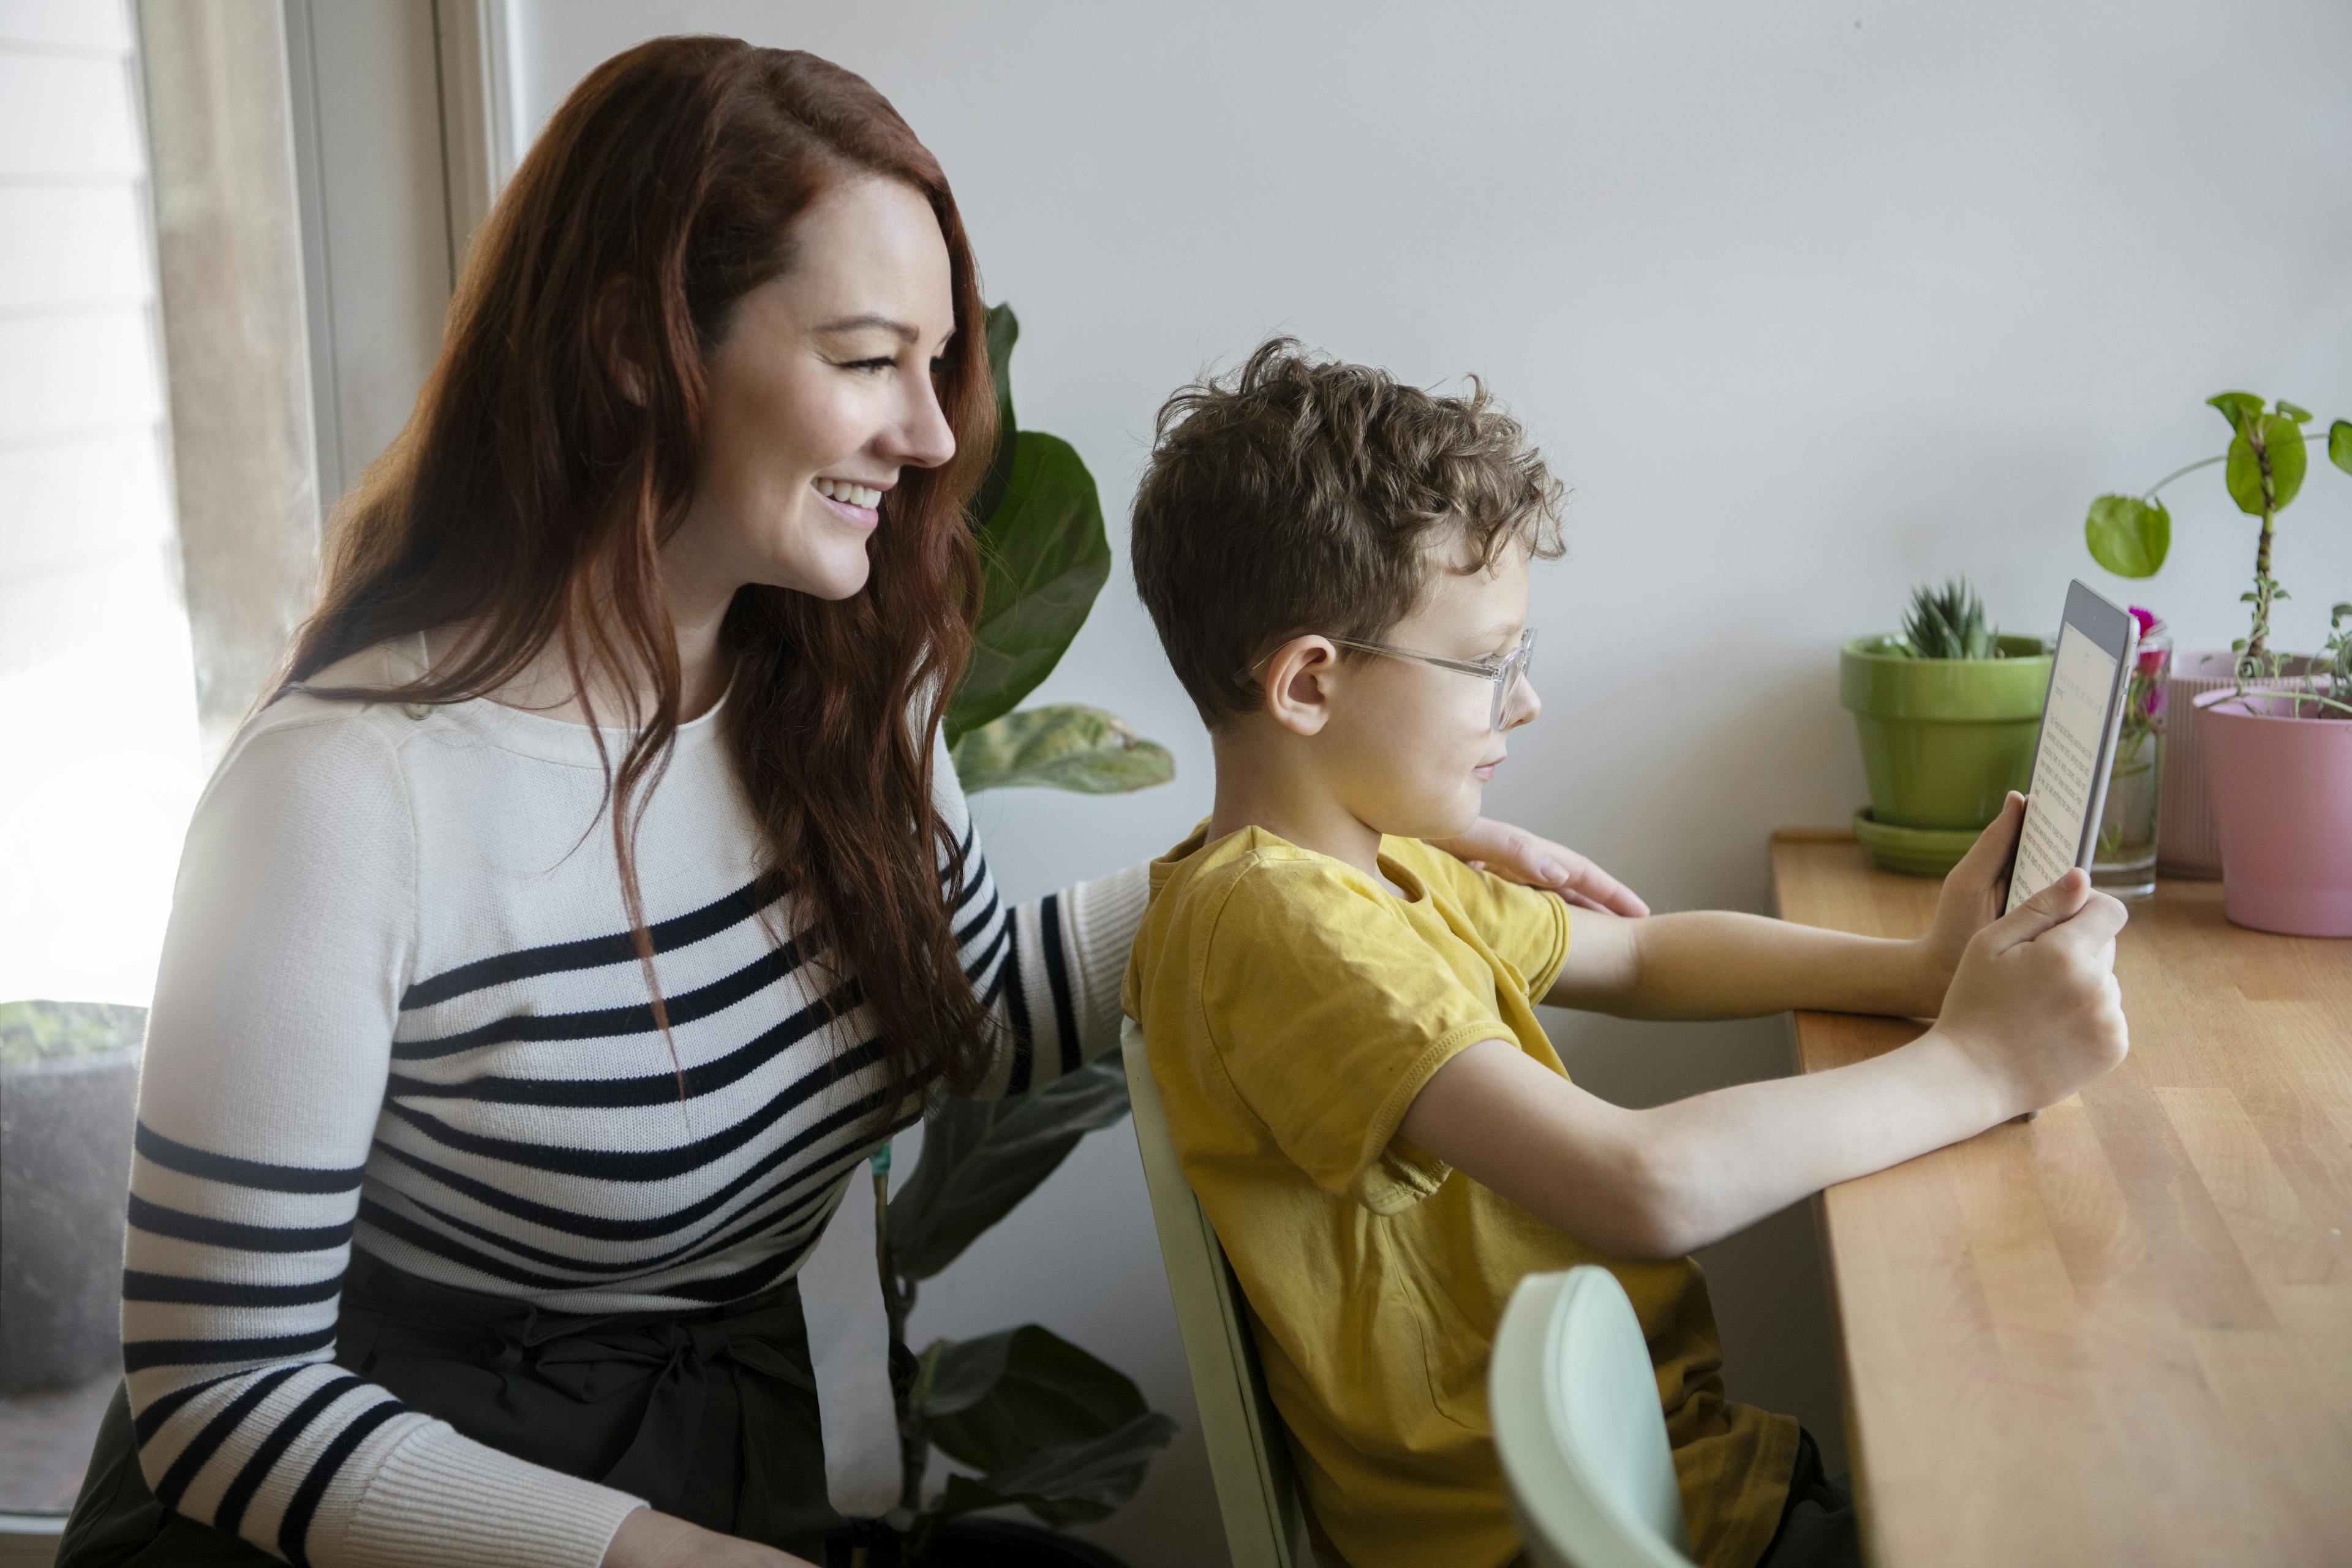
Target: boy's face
[{"x": 1411, "y": 745}]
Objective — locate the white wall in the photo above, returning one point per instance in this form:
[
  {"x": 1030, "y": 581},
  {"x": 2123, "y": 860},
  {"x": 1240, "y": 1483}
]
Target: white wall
[{"x": 1807, "y": 304}]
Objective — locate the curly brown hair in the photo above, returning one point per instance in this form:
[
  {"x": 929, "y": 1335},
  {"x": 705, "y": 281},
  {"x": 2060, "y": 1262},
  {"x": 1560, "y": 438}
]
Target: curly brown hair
[{"x": 1308, "y": 495}]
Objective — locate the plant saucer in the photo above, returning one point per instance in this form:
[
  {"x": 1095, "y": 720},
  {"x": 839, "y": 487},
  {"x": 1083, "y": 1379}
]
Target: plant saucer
[{"x": 1914, "y": 852}]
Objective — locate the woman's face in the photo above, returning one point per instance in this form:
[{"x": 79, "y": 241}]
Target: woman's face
[{"x": 820, "y": 398}]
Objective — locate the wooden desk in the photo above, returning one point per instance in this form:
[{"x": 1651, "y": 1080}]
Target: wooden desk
[{"x": 2120, "y": 1333}]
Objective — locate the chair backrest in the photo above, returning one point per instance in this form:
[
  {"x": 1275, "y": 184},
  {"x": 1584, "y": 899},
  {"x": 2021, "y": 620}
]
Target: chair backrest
[
  {"x": 1247, "y": 1458},
  {"x": 1583, "y": 1443}
]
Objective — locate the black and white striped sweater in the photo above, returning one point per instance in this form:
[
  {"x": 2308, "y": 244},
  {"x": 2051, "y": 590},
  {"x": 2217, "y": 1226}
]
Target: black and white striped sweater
[{"x": 398, "y": 1009}]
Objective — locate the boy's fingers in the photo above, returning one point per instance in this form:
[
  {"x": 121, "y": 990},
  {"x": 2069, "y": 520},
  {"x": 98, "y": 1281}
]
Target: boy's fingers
[
  {"x": 2095, "y": 926},
  {"x": 2054, "y": 905},
  {"x": 1997, "y": 842}
]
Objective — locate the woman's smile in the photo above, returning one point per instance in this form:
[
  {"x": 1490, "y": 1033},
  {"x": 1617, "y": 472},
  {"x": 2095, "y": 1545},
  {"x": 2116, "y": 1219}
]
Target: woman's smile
[{"x": 850, "y": 501}]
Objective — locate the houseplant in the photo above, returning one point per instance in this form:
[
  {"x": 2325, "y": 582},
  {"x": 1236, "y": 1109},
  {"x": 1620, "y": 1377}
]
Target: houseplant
[
  {"x": 2276, "y": 754},
  {"x": 1946, "y": 711},
  {"x": 1044, "y": 1424},
  {"x": 68, "y": 1101}
]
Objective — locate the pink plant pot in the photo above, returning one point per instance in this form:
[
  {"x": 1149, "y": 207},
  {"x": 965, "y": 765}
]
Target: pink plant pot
[{"x": 2281, "y": 790}]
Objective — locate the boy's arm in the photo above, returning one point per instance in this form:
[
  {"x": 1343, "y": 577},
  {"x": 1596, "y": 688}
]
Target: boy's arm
[
  {"x": 1713, "y": 964},
  {"x": 1716, "y": 964},
  {"x": 2034, "y": 1014}
]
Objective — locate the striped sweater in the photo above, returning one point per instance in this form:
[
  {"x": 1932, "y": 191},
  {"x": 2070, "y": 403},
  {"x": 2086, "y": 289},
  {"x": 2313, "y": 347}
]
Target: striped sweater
[{"x": 399, "y": 1010}]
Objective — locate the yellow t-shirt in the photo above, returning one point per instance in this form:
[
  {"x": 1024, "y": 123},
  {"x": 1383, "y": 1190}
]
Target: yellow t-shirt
[{"x": 1293, "y": 1009}]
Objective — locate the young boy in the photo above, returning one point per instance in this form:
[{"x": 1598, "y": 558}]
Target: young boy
[{"x": 1341, "y": 1020}]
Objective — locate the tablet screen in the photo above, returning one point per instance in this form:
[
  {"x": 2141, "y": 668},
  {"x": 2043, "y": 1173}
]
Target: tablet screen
[{"x": 2075, "y": 721}]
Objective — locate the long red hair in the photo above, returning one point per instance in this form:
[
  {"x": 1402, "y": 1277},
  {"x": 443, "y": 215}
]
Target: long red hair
[{"x": 532, "y": 490}]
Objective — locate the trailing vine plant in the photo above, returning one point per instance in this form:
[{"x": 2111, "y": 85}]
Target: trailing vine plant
[{"x": 2264, "y": 470}]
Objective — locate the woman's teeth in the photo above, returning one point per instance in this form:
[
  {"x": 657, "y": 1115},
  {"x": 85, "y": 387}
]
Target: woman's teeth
[{"x": 853, "y": 495}]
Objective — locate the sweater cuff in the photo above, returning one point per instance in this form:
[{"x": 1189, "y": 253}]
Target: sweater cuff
[
  {"x": 1104, "y": 917},
  {"x": 440, "y": 1499}
]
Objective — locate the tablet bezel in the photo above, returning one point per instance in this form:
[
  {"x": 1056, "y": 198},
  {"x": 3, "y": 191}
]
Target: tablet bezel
[{"x": 2113, "y": 630}]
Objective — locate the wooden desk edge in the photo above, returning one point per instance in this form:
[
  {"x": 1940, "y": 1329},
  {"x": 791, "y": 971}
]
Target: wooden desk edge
[{"x": 1813, "y": 836}]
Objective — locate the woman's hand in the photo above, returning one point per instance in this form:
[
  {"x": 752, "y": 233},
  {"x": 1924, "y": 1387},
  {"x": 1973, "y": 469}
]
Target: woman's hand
[
  {"x": 1971, "y": 900},
  {"x": 650, "y": 1539},
  {"x": 1517, "y": 855}
]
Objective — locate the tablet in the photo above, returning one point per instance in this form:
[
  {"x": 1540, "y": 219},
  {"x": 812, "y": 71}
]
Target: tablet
[{"x": 2080, "y": 716}]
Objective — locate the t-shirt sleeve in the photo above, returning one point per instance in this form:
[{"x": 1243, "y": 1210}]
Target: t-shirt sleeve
[
  {"x": 1526, "y": 928},
  {"x": 1327, "y": 1013}
]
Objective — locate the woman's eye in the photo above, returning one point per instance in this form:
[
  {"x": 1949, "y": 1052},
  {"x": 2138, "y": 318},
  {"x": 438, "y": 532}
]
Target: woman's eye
[{"x": 870, "y": 366}]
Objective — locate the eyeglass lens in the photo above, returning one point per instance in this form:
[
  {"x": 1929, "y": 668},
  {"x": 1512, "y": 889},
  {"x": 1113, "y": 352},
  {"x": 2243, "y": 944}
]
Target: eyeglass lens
[{"x": 1507, "y": 675}]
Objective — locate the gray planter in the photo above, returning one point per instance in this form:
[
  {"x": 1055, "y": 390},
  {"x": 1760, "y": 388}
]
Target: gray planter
[{"x": 66, "y": 1123}]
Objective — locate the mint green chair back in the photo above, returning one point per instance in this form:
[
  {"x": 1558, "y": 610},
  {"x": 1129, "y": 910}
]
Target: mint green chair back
[
  {"x": 1574, "y": 1404},
  {"x": 1249, "y": 1460}
]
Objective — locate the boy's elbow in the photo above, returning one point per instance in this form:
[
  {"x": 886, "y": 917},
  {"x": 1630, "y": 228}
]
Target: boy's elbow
[{"x": 1661, "y": 1221}]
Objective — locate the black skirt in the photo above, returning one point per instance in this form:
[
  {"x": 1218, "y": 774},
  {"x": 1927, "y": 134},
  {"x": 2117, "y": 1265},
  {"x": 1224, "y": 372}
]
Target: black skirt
[{"x": 712, "y": 1417}]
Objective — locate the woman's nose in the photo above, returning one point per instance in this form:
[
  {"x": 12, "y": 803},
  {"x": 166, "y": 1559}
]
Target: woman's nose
[{"x": 924, "y": 439}]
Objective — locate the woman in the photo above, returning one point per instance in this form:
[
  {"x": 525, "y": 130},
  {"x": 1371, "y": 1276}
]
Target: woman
[{"x": 515, "y": 1062}]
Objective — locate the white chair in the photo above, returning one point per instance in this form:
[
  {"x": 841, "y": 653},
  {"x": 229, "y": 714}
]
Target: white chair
[
  {"x": 1583, "y": 1444},
  {"x": 1247, "y": 1458}
]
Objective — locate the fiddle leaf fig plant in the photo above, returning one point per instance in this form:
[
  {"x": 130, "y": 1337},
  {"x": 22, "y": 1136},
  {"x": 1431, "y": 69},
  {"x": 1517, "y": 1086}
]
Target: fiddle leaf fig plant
[
  {"x": 1069, "y": 746},
  {"x": 1044, "y": 557},
  {"x": 2263, "y": 468},
  {"x": 1046, "y": 1425}
]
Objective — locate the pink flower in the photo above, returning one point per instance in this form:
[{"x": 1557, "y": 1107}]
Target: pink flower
[{"x": 2151, "y": 660}]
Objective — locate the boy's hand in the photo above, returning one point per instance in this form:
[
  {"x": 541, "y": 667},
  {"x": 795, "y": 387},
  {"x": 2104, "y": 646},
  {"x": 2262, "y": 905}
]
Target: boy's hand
[
  {"x": 1517, "y": 855},
  {"x": 1972, "y": 900},
  {"x": 2035, "y": 1007}
]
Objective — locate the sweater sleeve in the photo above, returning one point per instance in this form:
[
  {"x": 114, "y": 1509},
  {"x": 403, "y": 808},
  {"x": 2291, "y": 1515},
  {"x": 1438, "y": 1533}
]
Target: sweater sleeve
[
  {"x": 293, "y": 932},
  {"x": 1049, "y": 971}
]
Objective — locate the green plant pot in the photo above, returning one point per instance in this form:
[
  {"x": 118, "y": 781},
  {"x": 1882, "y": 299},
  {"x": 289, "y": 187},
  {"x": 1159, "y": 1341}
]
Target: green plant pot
[{"x": 1943, "y": 740}]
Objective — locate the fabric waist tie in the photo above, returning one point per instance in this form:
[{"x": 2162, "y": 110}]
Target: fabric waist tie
[{"x": 752, "y": 1354}]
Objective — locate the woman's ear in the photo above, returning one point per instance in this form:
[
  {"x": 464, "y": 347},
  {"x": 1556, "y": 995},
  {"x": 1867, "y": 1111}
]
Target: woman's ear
[
  {"x": 617, "y": 343},
  {"x": 1295, "y": 683}
]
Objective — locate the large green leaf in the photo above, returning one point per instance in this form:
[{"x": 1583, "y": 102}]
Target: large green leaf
[
  {"x": 1068, "y": 746},
  {"x": 1044, "y": 557},
  {"x": 2240, "y": 409},
  {"x": 993, "y": 1399},
  {"x": 2128, "y": 536},
  {"x": 2290, "y": 458},
  {"x": 1048, "y": 1424},
  {"x": 2282, "y": 442},
  {"x": 1003, "y": 331},
  {"x": 2339, "y": 445},
  {"x": 982, "y": 1157},
  {"x": 1071, "y": 1483}
]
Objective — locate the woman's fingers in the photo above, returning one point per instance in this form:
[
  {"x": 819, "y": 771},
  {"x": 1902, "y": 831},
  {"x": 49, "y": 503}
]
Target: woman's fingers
[
  {"x": 1517, "y": 854},
  {"x": 1584, "y": 883}
]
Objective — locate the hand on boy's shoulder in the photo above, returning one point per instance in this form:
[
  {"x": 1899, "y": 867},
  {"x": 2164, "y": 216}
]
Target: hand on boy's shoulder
[{"x": 1518, "y": 856}]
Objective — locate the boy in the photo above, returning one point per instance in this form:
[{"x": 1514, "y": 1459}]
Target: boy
[{"x": 1341, "y": 1020}]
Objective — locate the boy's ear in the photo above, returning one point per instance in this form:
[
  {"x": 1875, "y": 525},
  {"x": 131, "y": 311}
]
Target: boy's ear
[{"x": 1294, "y": 684}]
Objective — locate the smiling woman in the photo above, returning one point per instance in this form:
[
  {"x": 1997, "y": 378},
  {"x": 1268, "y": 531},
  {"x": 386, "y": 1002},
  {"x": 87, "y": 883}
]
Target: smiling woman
[{"x": 508, "y": 1064}]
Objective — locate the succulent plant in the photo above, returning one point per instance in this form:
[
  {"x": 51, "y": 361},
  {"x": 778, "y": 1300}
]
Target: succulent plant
[{"x": 1950, "y": 623}]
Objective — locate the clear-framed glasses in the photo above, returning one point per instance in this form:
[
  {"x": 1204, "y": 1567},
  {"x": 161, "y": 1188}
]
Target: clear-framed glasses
[{"x": 1506, "y": 671}]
